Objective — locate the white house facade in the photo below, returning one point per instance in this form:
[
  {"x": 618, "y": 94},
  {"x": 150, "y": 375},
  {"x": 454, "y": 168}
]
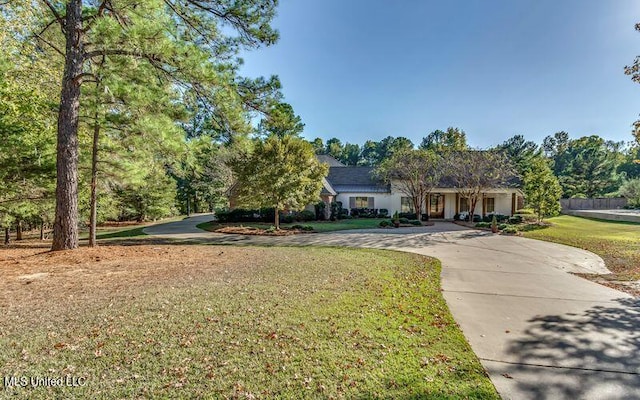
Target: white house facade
[{"x": 357, "y": 187}]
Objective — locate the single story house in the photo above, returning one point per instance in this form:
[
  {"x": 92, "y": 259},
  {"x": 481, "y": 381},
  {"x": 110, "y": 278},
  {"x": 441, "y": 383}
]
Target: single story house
[{"x": 357, "y": 187}]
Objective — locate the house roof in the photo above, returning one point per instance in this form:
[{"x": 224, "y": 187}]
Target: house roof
[
  {"x": 355, "y": 179},
  {"x": 327, "y": 159},
  {"x": 360, "y": 179}
]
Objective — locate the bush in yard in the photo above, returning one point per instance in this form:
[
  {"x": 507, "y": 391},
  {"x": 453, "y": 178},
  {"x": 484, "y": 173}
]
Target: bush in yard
[
  {"x": 222, "y": 215},
  {"x": 415, "y": 222},
  {"x": 516, "y": 219},
  {"x": 335, "y": 210},
  {"x": 502, "y": 226},
  {"x": 408, "y": 215},
  {"x": 631, "y": 191},
  {"x": 403, "y": 220},
  {"x": 384, "y": 223},
  {"x": 483, "y": 225},
  {"x": 306, "y": 216},
  {"x": 383, "y": 213},
  {"x": 287, "y": 219},
  {"x": 320, "y": 208},
  {"x": 510, "y": 229},
  {"x": 302, "y": 227}
]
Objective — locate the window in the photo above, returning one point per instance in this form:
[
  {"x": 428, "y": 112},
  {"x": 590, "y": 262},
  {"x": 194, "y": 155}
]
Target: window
[
  {"x": 464, "y": 204},
  {"x": 360, "y": 202},
  {"x": 406, "y": 205},
  {"x": 489, "y": 205}
]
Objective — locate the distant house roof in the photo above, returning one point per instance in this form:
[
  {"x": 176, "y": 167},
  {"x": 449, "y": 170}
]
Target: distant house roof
[
  {"x": 327, "y": 159},
  {"x": 355, "y": 179}
]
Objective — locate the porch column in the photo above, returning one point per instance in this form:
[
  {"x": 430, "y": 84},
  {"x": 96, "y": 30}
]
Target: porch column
[
  {"x": 514, "y": 201},
  {"x": 484, "y": 206},
  {"x": 457, "y": 203}
]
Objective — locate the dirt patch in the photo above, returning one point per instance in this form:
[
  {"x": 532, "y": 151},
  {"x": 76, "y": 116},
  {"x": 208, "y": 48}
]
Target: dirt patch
[
  {"x": 37, "y": 285},
  {"x": 615, "y": 281},
  {"x": 244, "y": 230}
]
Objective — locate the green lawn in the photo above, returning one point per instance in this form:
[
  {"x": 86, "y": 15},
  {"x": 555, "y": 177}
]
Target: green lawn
[
  {"x": 240, "y": 322},
  {"x": 318, "y": 226},
  {"x": 618, "y": 243}
]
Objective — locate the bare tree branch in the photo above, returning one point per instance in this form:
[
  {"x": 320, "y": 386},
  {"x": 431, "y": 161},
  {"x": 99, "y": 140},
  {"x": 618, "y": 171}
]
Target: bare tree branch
[{"x": 57, "y": 15}]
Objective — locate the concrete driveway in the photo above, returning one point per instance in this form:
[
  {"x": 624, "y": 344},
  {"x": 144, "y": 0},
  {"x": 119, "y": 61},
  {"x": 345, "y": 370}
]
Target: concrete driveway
[{"x": 540, "y": 332}]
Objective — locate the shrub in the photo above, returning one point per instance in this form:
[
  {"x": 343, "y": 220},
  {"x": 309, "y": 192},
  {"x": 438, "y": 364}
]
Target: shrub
[
  {"x": 306, "y": 215},
  {"x": 424, "y": 217},
  {"x": 320, "y": 209},
  {"x": 307, "y": 228},
  {"x": 501, "y": 217},
  {"x": 502, "y": 226},
  {"x": 456, "y": 217},
  {"x": 526, "y": 217},
  {"x": 267, "y": 214},
  {"x": 408, "y": 215},
  {"x": 384, "y": 223},
  {"x": 383, "y": 213},
  {"x": 337, "y": 212},
  {"x": 415, "y": 222},
  {"x": 296, "y": 227},
  {"x": 510, "y": 229},
  {"x": 516, "y": 219},
  {"x": 403, "y": 220},
  {"x": 526, "y": 211},
  {"x": 287, "y": 218},
  {"x": 246, "y": 215},
  {"x": 483, "y": 224},
  {"x": 222, "y": 215}
]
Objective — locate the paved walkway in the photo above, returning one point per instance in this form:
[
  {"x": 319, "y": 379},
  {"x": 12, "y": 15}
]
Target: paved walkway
[{"x": 540, "y": 332}]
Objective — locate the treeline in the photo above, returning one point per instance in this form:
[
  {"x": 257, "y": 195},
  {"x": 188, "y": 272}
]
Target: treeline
[
  {"x": 589, "y": 166},
  {"x": 150, "y": 112},
  {"x": 121, "y": 110}
]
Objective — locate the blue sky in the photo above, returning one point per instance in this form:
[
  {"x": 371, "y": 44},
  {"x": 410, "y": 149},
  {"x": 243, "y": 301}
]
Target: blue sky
[{"x": 359, "y": 70}]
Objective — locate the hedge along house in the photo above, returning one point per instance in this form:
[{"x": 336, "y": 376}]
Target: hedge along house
[{"x": 357, "y": 187}]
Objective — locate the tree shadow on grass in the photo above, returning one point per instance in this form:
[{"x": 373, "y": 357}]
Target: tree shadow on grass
[{"x": 590, "y": 354}]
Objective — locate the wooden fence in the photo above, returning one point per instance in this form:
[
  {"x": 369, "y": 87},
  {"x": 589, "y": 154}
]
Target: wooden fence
[{"x": 611, "y": 203}]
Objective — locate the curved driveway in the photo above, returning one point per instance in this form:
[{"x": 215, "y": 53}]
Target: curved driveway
[{"x": 540, "y": 332}]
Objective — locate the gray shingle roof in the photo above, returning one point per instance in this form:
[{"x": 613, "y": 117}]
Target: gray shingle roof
[{"x": 355, "y": 179}]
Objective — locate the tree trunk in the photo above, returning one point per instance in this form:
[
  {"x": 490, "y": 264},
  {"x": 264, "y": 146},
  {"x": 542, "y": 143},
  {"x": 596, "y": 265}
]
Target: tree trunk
[
  {"x": 65, "y": 226},
  {"x": 41, "y": 230},
  {"x": 19, "y": 230},
  {"x": 473, "y": 200},
  {"x": 7, "y": 236},
  {"x": 277, "y": 221},
  {"x": 93, "y": 201},
  {"x": 417, "y": 206},
  {"x": 188, "y": 205}
]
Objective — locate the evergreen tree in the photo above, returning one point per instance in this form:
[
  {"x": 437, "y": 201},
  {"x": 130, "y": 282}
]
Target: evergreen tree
[
  {"x": 184, "y": 41},
  {"x": 454, "y": 139},
  {"x": 281, "y": 172},
  {"x": 542, "y": 189}
]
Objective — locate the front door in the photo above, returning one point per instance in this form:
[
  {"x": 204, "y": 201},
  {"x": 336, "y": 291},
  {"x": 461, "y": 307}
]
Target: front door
[{"x": 436, "y": 205}]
